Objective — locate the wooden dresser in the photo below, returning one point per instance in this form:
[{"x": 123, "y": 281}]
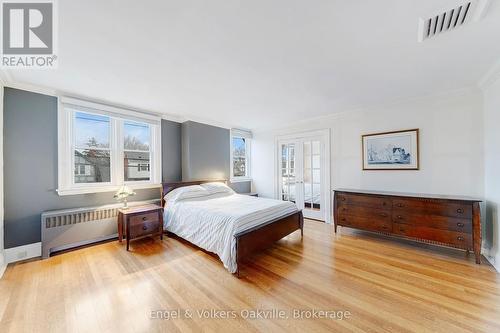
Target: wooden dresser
[{"x": 442, "y": 220}]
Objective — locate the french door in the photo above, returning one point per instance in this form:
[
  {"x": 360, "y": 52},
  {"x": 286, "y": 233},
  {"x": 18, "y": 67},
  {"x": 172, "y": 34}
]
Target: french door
[{"x": 303, "y": 173}]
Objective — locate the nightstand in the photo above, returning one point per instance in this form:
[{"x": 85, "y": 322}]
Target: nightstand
[{"x": 140, "y": 221}]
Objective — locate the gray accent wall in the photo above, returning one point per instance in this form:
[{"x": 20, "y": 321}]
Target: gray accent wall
[
  {"x": 30, "y": 165},
  {"x": 205, "y": 154},
  {"x": 241, "y": 187},
  {"x": 205, "y": 151},
  {"x": 171, "y": 151}
]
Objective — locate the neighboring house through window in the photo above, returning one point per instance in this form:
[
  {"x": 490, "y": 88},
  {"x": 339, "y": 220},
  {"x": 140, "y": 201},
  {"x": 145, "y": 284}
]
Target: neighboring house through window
[
  {"x": 240, "y": 155},
  {"x": 136, "y": 145},
  {"x": 102, "y": 147}
]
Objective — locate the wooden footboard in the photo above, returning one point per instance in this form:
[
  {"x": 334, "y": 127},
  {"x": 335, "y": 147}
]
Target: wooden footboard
[
  {"x": 255, "y": 239},
  {"x": 263, "y": 236}
]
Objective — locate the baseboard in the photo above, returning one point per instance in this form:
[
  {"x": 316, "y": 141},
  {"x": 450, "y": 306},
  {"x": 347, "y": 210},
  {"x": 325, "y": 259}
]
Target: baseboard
[
  {"x": 495, "y": 262},
  {"x": 82, "y": 243},
  {"x": 23, "y": 252},
  {"x": 3, "y": 265},
  {"x": 493, "y": 259}
]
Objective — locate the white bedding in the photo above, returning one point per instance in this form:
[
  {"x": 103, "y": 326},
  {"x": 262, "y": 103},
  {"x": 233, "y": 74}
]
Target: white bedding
[{"x": 211, "y": 222}]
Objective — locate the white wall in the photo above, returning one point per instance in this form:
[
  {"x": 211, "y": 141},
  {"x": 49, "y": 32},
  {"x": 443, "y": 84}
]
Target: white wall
[
  {"x": 451, "y": 146},
  {"x": 492, "y": 170}
]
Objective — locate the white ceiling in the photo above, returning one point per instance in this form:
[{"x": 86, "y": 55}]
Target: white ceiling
[{"x": 260, "y": 63}]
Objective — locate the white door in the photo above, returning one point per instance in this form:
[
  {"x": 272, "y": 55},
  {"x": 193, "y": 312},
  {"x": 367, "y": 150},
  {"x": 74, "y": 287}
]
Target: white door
[{"x": 302, "y": 173}]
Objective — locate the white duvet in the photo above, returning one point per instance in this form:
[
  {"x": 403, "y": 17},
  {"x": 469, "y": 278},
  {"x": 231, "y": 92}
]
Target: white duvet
[{"x": 212, "y": 222}]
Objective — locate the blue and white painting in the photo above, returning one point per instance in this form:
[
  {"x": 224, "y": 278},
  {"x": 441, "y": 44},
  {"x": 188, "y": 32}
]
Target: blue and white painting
[{"x": 395, "y": 150}]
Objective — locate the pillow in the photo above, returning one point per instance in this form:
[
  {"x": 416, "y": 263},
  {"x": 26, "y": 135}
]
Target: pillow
[
  {"x": 185, "y": 192},
  {"x": 215, "y": 187}
]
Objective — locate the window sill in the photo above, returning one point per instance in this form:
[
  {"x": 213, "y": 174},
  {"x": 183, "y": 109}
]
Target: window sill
[
  {"x": 240, "y": 179},
  {"x": 102, "y": 189}
]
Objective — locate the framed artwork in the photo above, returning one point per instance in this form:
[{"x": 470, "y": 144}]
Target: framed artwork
[{"x": 391, "y": 150}]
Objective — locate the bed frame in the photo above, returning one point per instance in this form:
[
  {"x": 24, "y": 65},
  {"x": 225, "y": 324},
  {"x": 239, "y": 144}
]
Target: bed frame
[{"x": 257, "y": 238}]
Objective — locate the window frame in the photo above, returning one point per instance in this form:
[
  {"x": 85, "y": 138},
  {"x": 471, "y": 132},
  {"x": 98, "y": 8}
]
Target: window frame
[
  {"x": 67, "y": 108},
  {"x": 132, "y": 183},
  {"x": 247, "y": 136}
]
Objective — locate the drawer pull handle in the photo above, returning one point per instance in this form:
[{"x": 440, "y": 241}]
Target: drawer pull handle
[
  {"x": 460, "y": 211},
  {"x": 399, "y": 205},
  {"x": 342, "y": 198},
  {"x": 144, "y": 228},
  {"x": 383, "y": 214},
  {"x": 401, "y": 229},
  {"x": 400, "y": 217},
  {"x": 144, "y": 218},
  {"x": 344, "y": 209},
  {"x": 460, "y": 224},
  {"x": 385, "y": 227},
  {"x": 342, "y": 219},
  {"x": 460, "y": 238}
]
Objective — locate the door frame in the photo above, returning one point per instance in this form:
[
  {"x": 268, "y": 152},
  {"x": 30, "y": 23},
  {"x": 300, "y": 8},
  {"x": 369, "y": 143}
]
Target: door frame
[{"x": 325, "y": 134}]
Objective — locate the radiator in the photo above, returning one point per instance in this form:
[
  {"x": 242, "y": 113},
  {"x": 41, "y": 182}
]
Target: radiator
[{"x": 69, "y": 228}]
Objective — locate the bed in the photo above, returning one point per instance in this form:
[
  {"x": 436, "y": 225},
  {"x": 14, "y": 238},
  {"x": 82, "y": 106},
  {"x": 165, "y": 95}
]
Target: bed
[{"x": 231, "y": 225}]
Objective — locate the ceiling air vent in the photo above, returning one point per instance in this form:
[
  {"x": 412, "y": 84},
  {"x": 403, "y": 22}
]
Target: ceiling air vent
[{"x": 451, "y": 19}]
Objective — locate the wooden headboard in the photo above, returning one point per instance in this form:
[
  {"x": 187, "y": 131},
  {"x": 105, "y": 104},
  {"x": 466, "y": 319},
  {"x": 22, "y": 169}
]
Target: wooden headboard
[{"x": 168, "y": 187}]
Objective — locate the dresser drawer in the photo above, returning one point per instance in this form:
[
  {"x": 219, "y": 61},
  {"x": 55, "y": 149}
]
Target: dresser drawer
[
  {"x": 363, "y": 200},
  {"x": 439, "y": 208},
  {"x": 365, "y": 223},
  {"x": 362, "y": 211},
  {"x": 458, "y": 239},
  {"x": 143, "y": 218},
  {"x": 144, "y": 228},
  {"x": 433, "y": 221}
]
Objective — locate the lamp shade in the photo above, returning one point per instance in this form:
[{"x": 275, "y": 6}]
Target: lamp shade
[{"x": 123, "y": 192}]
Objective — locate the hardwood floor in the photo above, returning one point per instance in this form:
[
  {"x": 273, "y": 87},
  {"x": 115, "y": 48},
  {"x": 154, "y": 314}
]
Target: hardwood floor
[{"x": 387, "y": 285}]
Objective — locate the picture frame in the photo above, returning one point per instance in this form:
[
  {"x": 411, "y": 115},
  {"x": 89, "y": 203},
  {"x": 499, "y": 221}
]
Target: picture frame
[{"x": 396, "y": 150}]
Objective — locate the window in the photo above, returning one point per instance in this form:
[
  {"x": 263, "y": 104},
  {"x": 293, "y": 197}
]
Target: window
[
  {"x": 92, "y": 152},
  {"x": 102, "y": 147},
  {"x": 136, "y": 148},
  {"x": 240, "y": 155}
]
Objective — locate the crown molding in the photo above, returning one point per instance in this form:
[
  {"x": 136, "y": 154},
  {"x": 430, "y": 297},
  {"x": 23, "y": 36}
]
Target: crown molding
[
  {"x": 6, "y": 81},
  {"x": 490, "y": 77},
  {"x": 445, "y": 95},
  {"x": 4, "y": 77},
  {"x": 31, "y": 88},
  {"x": 206, "y": 121}
]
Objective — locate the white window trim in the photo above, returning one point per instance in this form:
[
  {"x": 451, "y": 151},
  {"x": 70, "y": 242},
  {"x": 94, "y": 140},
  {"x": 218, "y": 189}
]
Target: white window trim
[
  {"x": 66, "y": 109},
  {"x": 247, "y": 135}
]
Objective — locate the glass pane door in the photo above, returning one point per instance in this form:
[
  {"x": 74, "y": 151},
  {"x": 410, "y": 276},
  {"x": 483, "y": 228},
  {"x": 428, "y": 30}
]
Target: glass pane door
[
  {"x": 312, "y": 178},
  {"x": 288, "y": 167},
  {"x": 303, "y": 173}
]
